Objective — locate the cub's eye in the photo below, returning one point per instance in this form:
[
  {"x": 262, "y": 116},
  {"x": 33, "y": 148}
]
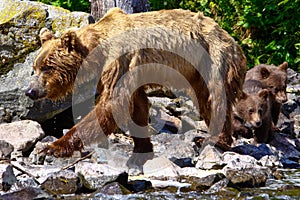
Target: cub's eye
[
  {"x": 251, "y": 111},
  {"x": 276, "y": 90},
  {"x": 260, "y": 111}
]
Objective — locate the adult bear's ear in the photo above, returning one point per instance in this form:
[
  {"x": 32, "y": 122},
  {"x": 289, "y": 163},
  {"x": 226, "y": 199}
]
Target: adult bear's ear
[
  {"x": 68, "y": 40},
  {"x": 264, "y": 72},
  {"x": 284, "y": 66},
  {"x": 45, "y": 35}
]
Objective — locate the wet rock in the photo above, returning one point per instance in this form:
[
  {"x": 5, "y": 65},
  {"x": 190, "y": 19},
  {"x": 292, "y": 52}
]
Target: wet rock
[
  {"x": 270, "y": 161},
  {"x": 255, "y": 151},
  {"x": 183, "y": 162},
  {"x": 134, "y": 186},
  {"x": 289, "y": 164},
  {"x": 5, "y": 149},
  {"x": 218, "y": 187},
  {"x": 236, "y": 161},
  {"x": 293, "y": 85},
  {"x": 172, "y": 145},
  {"x": 22, "y": 134},
  {"x": 247, "y": 177},
  {"x": 290, "y": 108},
  {"x": 26, "y": 193},
  {"x": 173, "y": 115},
  {"x": 244, "y": 170},
  {"x": 187, "y": 124},
  {"x": 97, "y": 175},
  {"x": 112, "y": 189},
  {"x": 170, "y": 185},
  {"x": 210, "y": 158},
  {"x": 118, "y": 186},
  {"x": 17, "y": 176},
  {"x": 36, "y": 156},
  {"x": 8, "y": 178},
  {"x": 201, "y": 184},
  {"x": 162, "y": 121},
  {"x": 297, "y": 126},
  {"x": 287, "y": 127},
  {"x": 160, "y": 167},
  {"x": 139, "y": 185},
  {"x": 200, "y": 173},
  {"x": 39, "y": 174},
  {"x": 285, "y": 147},
  {"x": 62, "y": 182}
]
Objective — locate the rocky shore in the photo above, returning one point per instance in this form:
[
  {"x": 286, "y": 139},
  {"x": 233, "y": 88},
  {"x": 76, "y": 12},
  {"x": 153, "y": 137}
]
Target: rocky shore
[{"x": 181, "y": 168}]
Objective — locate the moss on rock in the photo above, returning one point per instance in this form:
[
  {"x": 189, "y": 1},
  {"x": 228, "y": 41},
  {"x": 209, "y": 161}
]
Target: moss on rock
[{"x": 20, "y": 22}]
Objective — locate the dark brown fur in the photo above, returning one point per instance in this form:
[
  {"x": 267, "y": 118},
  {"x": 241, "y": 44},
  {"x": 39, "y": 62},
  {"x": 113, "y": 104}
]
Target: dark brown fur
[
  {"x": 252, "y": 114},
  {"x": 60, "y": 59},
  {"x": 275, "y": 79}
]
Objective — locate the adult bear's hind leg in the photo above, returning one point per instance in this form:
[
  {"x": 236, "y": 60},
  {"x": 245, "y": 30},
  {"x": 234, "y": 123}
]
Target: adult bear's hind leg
[{"x": 143, "y": 148}]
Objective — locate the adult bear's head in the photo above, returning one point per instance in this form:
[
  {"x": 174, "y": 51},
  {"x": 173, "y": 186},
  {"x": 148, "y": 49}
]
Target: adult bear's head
[{"x": 56, "y": 65}]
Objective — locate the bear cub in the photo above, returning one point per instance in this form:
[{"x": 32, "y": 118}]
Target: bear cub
[
  {"x": 252, "y": 114},
  {"x": 275, "y": 80}
]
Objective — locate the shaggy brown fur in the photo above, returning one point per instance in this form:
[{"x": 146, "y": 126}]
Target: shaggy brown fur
[
  {"x": 60, "y": 60},
  {"x": 252, "y": 114},
  {"x": 275, "y": 79}
]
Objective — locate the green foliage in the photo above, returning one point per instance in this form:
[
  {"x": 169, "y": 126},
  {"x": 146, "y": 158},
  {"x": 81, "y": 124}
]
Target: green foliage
[
  {"x": 162, "y": 4},
  {"x": 268, "y": 31},
  {"x": 72, "y": 5}
]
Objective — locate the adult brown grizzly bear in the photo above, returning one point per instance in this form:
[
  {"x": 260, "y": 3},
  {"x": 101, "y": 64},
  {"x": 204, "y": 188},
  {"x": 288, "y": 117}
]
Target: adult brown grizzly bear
[{"x": 192, "y": 45}]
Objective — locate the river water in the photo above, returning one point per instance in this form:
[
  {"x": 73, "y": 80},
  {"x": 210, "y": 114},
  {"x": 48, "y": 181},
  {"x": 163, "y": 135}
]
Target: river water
[{"x": 287, "y": 187}]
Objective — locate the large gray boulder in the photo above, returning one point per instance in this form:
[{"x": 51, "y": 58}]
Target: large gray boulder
[{"x": 20, "y": 23}]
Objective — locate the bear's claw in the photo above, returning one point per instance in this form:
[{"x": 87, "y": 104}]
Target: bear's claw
[
  {"x": 63, "y": 148},
  {"x": 57, "y": 151}
]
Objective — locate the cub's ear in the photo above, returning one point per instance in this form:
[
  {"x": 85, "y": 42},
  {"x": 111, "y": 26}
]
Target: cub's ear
[
  {"x": 264, "y": 94},
  {"x": 284, "y": 66},
  {"x": 265, "y": 73},
  {"x": 69, "y": 40},
  {"x": 45, "y": 35}
]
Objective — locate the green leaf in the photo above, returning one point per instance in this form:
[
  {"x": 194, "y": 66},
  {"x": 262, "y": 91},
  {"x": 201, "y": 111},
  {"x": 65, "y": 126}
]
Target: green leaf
[{"x": 271, "y": 45}]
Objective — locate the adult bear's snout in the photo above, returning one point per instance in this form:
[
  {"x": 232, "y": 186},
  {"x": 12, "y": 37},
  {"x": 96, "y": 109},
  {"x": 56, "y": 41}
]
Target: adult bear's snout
[{"x": 32, "y": 93}]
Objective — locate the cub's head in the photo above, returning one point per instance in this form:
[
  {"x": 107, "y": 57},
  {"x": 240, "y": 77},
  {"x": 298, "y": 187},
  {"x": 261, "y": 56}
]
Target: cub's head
[
  {"x": 252, "y": 108},
  {"x": 56, "y": 65},
  {"x": 275, "y": 78}
]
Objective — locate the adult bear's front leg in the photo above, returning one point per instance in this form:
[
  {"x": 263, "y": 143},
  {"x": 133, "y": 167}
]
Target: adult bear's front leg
[
  {"x": 93, "y": 128},
  {"x": 65, "y": 146}
]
